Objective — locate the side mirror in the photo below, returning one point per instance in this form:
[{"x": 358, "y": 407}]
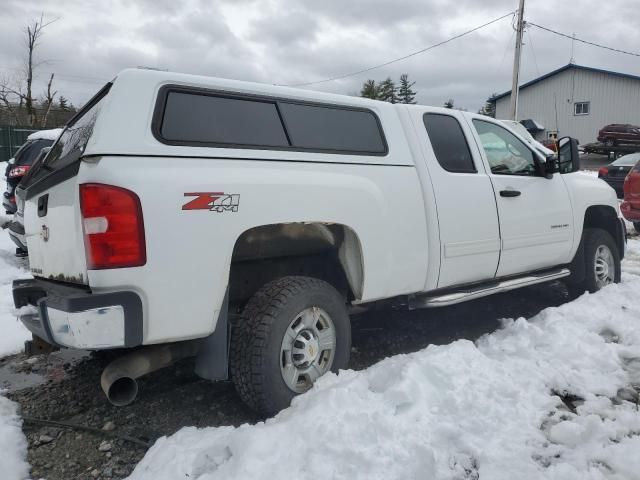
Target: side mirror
[{"x": 568, "y": 156}]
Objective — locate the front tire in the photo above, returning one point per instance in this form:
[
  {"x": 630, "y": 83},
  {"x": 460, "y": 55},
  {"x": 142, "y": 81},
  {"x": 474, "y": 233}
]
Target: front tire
[
  {"x": 610, "y": 142},
  {"x": 602, "y": 262},
  {"x": 292, "y": 331}
]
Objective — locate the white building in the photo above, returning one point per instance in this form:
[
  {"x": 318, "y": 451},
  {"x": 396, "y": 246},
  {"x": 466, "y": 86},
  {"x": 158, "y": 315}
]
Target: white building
[{"x": 576, "y": 101}]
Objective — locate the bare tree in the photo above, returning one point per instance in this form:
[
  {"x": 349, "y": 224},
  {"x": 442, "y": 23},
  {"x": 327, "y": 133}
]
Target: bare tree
[
  {"x": 14, "y": 94},
  {"x": 48, "y": 101}
]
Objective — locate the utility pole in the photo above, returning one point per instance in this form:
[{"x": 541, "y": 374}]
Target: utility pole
[{"x": 516, "y": 63}]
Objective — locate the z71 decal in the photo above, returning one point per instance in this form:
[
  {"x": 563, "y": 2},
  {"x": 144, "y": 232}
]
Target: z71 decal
[{"x": 212, "y": 201}]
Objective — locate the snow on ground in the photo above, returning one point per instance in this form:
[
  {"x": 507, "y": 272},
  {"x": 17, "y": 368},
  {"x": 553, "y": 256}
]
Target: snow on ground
[
  {"x": 490, "y": 409},
  {"x": 13, "y": 445}
]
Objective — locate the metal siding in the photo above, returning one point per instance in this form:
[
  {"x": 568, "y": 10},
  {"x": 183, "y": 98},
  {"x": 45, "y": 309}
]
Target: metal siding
[{"x": 612, "y": 99}]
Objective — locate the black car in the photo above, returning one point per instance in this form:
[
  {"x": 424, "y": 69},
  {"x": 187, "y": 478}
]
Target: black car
[
  {"x": 615, "y": 173},
  {"x": 22, "y": 162}
]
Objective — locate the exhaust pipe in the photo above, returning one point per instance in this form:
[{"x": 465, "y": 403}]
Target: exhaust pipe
[{"x": 119, "y": 379}]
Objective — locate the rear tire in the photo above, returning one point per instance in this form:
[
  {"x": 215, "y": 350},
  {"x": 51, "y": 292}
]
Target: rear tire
[
  {"x": 602, "y": 262},
  {"x": 292, "y": 331},
  {"x": 636, "y": 226}
]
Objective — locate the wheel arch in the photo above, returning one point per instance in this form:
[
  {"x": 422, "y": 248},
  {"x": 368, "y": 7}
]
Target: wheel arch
[
  {"x": 329, "y": 251},
  {"x": 605, "y": 218}
]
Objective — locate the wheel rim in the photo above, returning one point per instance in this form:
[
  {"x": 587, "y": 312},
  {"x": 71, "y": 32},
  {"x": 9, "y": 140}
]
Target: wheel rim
[
  {"x": 604, "y": 266},
  {"x": 308, "y": 349}
]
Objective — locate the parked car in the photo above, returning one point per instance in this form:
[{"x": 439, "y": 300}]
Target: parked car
[
  {"x": 615, "y": 173},
  {"x": 18, "y": 166},
  {"x": 619, "y": 133},
  {"x": 524, "y": 133},
  {"x": 151, "y": 232},
  {"x": 630, "y": 207},
  {"x": 16, "y": 227}
]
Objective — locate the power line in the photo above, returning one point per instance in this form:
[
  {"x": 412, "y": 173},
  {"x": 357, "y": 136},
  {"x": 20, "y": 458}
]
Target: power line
[
  {"x": 339, "y": 77},
  {"x": 584, "y": 41}
]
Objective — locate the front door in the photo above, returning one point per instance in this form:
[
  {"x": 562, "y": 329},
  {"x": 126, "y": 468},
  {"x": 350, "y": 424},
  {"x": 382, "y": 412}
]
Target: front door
[
  {"x": 536, "y": 221},
  {"x": 466, "y": 208}
]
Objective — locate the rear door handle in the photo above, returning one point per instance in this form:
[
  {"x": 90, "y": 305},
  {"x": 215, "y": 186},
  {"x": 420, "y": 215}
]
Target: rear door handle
[{"x": 509, "y": 193}]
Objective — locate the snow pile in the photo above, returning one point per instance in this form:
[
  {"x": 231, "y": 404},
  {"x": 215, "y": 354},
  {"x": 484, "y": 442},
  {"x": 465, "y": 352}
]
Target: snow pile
[
  {"x": 12, "y": 332},
  {"x": 488, "y": 410},
  {"x": 13, "y": 444},
  {"x": 51, "y": 134}
]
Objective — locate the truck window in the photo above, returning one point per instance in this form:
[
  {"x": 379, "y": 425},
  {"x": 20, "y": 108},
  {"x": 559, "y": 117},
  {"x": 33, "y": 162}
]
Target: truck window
[
  {"x": 449, "y": 143},
  {"x": 191, "y": 118},
  {"x": 69, "y": 147},
  {"x": 203, "y": 118},
  {"x": 506, "y": 154},
  {"x": 329, "y": 128}
]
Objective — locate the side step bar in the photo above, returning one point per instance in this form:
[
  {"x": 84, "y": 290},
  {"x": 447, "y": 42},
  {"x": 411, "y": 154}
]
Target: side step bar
[{"x": 472, "y": 292}]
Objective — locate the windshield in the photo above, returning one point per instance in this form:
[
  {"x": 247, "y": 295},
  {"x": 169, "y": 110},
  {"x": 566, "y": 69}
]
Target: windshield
[{"x": 519, "y": 129}]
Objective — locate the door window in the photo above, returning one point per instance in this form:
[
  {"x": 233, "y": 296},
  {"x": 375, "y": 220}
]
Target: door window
[
  {"x": 448, "y": 142},
  {"x": 506, "y": 154}
]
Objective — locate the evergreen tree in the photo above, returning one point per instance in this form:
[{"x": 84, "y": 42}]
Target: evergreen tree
[
  {"x": 370, "y": 90},
  {"x": 405, "y": 93},
  {"x": 448, "y": 103},
  {"x": 489, "y": 108},
  {"x": 63, "y": 103},
  {"x": 388, "y": 92}
]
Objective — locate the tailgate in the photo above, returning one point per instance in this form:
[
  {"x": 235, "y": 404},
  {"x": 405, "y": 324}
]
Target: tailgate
[
  {"x": 52, "y": 221},
  {"x": 54, "y": 234}
]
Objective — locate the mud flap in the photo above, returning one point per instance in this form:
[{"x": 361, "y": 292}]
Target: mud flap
[{"x": 212, "y": 362}]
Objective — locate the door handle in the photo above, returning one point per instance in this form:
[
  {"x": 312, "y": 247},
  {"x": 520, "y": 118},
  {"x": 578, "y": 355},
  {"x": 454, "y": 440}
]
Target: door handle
[{"x": 509, "y": 193}]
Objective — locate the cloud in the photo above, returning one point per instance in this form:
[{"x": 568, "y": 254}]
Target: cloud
[{"x": 289, "y": 42}]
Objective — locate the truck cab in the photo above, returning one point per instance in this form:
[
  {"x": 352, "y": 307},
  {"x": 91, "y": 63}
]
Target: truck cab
[{"x": 239, "y": 223}]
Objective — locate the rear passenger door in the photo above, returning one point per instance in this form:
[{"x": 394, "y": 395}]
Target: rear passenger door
[{"x": 467, "y": 216}]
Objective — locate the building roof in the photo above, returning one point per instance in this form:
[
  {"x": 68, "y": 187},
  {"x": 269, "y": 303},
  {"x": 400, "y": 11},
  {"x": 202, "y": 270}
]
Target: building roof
[{"x": 562, "y": 69}]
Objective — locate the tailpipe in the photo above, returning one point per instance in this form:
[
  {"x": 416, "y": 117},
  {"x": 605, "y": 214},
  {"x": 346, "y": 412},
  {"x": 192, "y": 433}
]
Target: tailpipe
[{"x": 119, "y": 379}]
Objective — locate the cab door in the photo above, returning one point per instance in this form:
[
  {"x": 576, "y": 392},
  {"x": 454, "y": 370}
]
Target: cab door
[
  {"x": 536, "y": 221},
  {"x": 465, "y": 205}
]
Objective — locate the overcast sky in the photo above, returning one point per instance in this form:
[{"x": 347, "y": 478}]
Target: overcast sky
[{"x": 295, "y": 41}]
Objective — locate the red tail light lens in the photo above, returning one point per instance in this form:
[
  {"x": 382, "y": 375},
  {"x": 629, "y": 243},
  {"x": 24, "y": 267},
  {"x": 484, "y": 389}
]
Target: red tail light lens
[
  {"x": 603, "y": 172},
  {"x": 113, "y": 227},
  {"x": 18, "y": 171}
]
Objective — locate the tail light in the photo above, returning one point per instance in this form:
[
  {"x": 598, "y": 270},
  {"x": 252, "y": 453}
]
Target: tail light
[
  {"x": 18, "y": 171},
  {"x": 113, "y": 227},
  {"x": 603, "y": 172}
]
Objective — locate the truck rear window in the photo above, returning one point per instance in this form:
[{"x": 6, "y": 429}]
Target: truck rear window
[
  {"x": 70, "y": 146},
  {"x": 200, "y": 118}
]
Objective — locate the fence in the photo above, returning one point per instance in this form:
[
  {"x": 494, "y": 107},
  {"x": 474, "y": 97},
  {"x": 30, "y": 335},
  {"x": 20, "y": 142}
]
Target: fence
[{"x": 11, "y": 138}]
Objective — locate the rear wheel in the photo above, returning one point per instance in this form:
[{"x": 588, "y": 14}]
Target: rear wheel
[
  {"x": 636, "y": 226},
  {"x": 292, "y": 331},
  {"x": 602, "y": 262}
]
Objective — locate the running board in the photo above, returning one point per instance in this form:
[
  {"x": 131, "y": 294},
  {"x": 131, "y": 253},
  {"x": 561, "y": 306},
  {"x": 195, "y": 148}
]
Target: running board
[{"x": 477, "y": 291}]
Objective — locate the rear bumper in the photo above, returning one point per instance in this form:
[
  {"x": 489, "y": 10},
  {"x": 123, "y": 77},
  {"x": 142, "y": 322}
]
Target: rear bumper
[{"x": 73, "y": 317}]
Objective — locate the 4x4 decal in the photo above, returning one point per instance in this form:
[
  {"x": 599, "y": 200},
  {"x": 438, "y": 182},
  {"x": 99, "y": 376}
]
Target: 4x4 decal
[{"x": 212, "y": 201}]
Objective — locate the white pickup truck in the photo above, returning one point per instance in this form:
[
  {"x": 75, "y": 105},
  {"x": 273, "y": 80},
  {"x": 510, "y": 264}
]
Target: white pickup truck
[{"x": 236, "y": 222}]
